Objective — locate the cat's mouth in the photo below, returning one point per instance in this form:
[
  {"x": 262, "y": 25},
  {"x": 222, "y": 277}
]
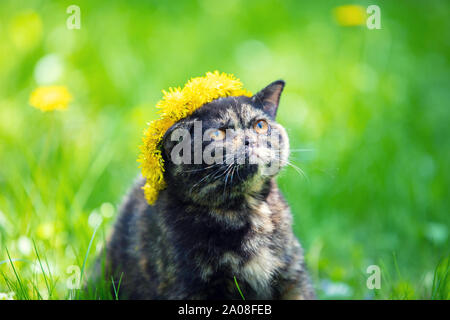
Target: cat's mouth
[
  {"x": 246, "y": 165},
  {"x": 242, "y": 173},
  {"x": 234, "y": 176}
]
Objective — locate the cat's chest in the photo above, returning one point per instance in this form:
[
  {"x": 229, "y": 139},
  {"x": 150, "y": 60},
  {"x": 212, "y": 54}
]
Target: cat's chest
[
  {"x": 255, "y": 272},
  {"x": 252, "y": 262}
]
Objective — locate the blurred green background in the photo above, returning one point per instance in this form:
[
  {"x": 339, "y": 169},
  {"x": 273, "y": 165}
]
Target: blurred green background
[{"x": 367, "y": 112}]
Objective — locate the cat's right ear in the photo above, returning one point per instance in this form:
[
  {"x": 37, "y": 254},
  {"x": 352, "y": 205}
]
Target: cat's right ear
[{"x": 269, "y": 97}]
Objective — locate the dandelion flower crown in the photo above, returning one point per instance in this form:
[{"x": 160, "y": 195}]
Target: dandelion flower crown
[{"x": 175, "y": 105}]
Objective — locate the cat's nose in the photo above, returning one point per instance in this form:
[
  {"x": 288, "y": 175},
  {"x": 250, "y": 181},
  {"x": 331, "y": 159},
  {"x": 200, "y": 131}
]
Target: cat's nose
[{"x": 248, "y": 142}]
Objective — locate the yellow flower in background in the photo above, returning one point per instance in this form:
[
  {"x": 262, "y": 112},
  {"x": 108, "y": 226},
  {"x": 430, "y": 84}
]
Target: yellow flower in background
[
  {"x": 350, "y": 15},
  {"x": 175, "y": 105},
  {"x": 50, "y": 98}
]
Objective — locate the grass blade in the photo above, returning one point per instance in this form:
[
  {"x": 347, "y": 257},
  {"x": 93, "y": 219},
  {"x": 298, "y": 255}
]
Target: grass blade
[{"x": 239, "y": 289}]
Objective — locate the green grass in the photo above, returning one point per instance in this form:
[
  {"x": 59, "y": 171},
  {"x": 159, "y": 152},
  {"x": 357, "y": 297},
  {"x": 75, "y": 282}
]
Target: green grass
[
  {"x": 366, "y": 111},
  {"x": 239, "y": 289}
]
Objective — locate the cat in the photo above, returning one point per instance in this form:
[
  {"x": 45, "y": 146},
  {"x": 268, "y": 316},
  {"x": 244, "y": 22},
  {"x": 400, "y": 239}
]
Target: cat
[{"x": 215, "y": 227}]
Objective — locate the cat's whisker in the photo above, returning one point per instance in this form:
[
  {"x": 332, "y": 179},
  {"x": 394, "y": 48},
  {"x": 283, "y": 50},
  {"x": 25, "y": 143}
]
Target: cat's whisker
[
  {"x": 228, "y": 170},
  {"x": 212, "y": 174},
  {"x": 296, "y": 168},
  {"x": 205, "y": 177},
  {"x": 302, "y": 150},
  {"x": 201, "y": 169},
  {"x": 232, "y": 175},
  {"x": 216, "y": 177},
  {"x": 237, "y": 171},
  {"x": 221, "y": 171},
  {"x": 226, "y": 178}
]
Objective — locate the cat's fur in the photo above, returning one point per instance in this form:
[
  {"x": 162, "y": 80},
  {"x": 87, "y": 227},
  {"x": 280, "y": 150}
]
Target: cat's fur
[{"x": 204, "y": 231}]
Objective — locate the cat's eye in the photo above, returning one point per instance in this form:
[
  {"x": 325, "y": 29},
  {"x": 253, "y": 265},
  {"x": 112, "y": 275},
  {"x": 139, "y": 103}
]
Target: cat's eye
[
  {"x": 217, "y": 134},
  {"x": 261, "y": 126}
]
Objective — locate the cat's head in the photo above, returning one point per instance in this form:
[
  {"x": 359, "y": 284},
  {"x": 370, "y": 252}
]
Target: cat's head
[{"x": 226, "y": 149}]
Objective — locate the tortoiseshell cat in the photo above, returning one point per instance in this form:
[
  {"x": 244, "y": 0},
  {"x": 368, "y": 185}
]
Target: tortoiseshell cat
[{"x": 214, "y": 222}]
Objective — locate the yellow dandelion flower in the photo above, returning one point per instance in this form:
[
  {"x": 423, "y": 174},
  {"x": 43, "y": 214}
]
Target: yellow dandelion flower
[
  {"x": 175, "y": 105},
  {"x": 350, "y": 15},
  {"x": 50, "y": 98}
]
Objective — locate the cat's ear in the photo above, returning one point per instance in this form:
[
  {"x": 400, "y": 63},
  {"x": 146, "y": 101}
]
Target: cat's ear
[{"x": 269, "y": 97}]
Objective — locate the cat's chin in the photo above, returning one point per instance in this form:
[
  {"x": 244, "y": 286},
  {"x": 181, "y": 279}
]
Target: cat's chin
[
  {"x": 241, "y": 180},
  {"x": 251, "y": 179}
]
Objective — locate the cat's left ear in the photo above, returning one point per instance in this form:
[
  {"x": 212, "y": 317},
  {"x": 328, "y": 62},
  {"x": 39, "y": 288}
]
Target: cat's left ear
[{"x": 269, "y": 97}]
